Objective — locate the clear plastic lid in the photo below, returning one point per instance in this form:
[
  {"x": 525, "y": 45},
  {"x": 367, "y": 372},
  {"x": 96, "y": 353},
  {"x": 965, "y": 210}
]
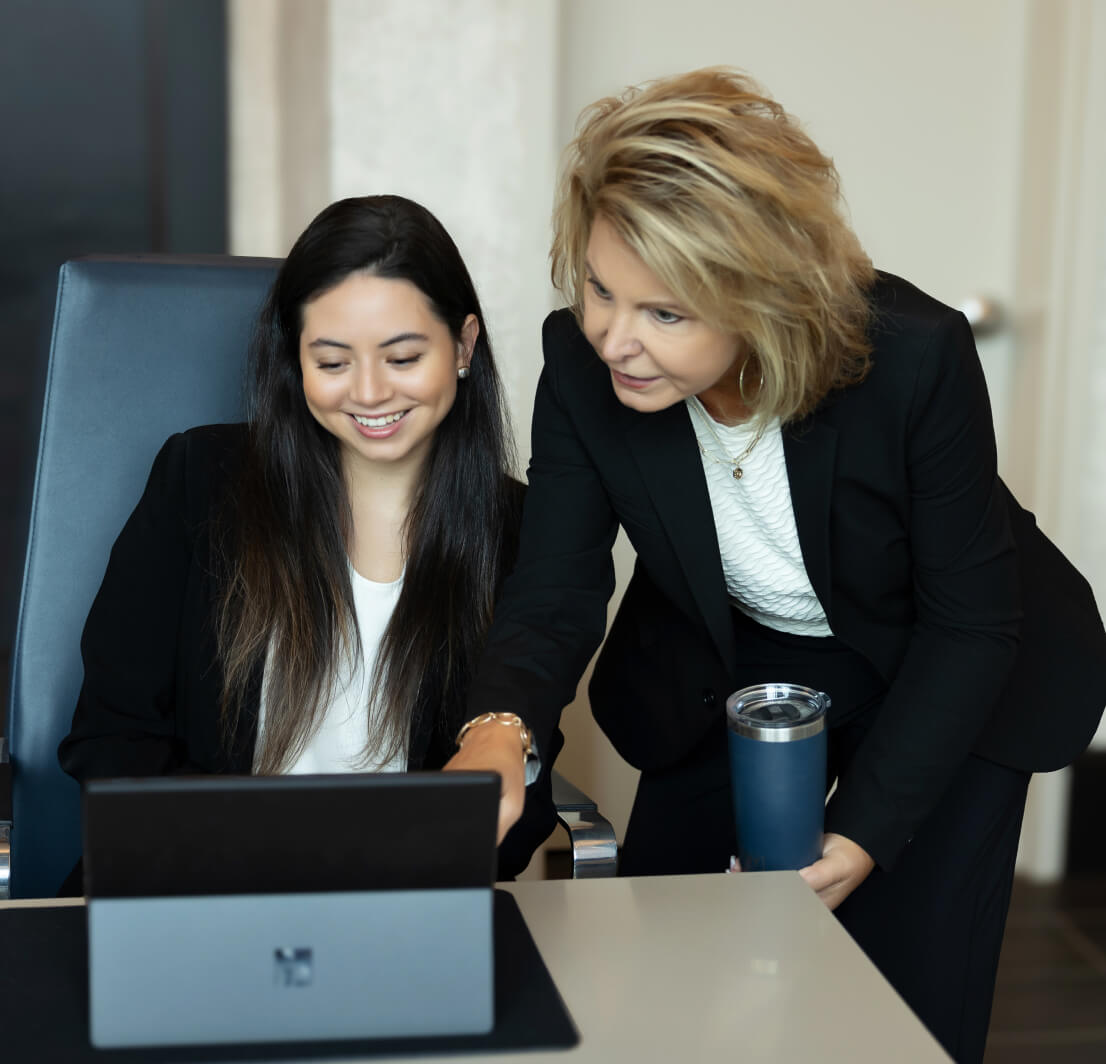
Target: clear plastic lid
[{"x": 777, "y": 712}]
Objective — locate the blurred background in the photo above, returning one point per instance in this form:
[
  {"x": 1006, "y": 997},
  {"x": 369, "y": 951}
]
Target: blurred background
[{"x": 970, "y": 136}]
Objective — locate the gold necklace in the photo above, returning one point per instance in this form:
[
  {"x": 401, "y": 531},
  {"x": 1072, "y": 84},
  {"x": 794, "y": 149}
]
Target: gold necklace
[{"x": 734, "y": 463}]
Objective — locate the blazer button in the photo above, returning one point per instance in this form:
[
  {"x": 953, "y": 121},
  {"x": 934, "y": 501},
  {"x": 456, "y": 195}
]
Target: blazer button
[{"x": 709, "y": 698}]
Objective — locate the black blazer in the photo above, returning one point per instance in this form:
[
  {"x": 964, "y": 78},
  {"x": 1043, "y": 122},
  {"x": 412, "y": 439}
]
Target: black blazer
[
  {"x": 149, "y": 702},
  {"x": 988, "y": 639}
]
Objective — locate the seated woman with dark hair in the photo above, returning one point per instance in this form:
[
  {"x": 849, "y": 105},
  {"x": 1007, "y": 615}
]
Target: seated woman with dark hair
[{"x": 307, "y": 592}]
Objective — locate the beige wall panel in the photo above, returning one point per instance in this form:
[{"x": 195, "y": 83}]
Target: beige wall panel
[{"x": 452, "y": 104}]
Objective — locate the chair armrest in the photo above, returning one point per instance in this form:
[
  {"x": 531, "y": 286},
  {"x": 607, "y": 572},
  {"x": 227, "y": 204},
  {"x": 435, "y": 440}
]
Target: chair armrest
[
  {"x": 594, "y": 848},
  {"x": 5, "y": 821}
]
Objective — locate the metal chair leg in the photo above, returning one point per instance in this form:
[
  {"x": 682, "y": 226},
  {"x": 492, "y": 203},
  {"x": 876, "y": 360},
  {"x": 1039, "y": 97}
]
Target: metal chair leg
[{"x": 594, "y": 848}]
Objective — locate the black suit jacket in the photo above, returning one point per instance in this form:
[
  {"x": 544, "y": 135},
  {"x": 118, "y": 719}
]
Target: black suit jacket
[
  {"x": 988, "y": 640},
  {"x": 149, "y": 704}
]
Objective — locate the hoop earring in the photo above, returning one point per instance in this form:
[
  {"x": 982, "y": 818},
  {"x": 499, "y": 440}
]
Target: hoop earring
[
  {"x": 741, "y": 380},
  {"x": 463, "y": 372}
]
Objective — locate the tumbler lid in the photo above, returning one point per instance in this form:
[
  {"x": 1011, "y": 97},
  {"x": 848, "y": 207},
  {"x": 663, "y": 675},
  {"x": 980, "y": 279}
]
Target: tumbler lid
[{"x": 777, "y": 712}]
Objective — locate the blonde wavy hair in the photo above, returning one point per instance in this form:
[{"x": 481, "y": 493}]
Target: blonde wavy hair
[{"x": 724, "y": 197}]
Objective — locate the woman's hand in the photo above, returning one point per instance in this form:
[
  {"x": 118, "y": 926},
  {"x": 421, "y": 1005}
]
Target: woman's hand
[
  {"x": 492, "y": 747},
  {"x": 843, "y": 867}
]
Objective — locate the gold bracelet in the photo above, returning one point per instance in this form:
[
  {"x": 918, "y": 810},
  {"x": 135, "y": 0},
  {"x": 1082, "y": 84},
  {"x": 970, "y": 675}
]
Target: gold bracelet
[{"x": 512, "y": 720}]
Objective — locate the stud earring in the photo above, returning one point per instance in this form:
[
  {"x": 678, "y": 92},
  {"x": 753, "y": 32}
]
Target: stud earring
[{"x": 463, "y": 372}]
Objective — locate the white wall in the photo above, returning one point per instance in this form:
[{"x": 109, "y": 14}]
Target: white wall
[
  {"x": 868, "y": 79},
  {"x": 449, "y": 103}
]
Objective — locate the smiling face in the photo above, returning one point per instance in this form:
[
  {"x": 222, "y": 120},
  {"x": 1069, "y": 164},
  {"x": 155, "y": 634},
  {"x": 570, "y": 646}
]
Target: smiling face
[
  {"x": 657, "y": 351},
  {"x": 380, "y": 369}
]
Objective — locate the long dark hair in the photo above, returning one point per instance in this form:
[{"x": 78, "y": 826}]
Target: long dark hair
[{"x": 288, "y": 594}]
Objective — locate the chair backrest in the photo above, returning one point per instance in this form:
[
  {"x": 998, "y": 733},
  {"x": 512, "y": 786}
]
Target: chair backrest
[{"x": 142, "y": 347}]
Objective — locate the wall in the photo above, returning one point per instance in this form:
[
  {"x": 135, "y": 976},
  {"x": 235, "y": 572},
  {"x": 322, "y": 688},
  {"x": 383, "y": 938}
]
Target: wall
[{"x": 449, "y": 104}]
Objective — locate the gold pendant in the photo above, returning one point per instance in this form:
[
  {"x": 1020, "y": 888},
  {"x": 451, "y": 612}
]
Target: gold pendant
[{"x": 737, "y": 473}]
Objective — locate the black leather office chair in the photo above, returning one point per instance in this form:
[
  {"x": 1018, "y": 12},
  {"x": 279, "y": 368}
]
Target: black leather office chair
[{"x": 142, "y": 347}]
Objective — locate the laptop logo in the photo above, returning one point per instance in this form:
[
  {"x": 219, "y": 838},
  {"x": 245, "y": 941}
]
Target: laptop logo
[{"x": 293, "y": 966}]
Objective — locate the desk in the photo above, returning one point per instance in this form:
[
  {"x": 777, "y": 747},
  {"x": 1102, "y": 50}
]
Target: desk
[
  {"x": 689, "y": 968},
  {"x": 714, "y": 967}
]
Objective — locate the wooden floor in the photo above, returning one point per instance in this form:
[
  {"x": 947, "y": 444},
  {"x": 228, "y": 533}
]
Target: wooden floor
[{"x": 1050, "y": 999}]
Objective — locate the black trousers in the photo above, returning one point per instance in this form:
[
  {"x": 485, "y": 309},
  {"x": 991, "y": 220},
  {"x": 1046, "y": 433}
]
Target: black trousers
[{"x": 933, "y": 925}]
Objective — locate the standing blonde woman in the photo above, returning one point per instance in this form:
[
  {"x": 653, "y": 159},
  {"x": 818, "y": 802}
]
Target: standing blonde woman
[{"x": 801, "y": 452}]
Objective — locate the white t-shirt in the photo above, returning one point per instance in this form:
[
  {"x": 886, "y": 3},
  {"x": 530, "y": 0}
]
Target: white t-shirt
[{"x": 339, "y": 742}]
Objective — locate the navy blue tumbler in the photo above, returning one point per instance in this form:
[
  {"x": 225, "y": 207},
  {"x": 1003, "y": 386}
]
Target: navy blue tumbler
[{"x": 777, "y": 742}]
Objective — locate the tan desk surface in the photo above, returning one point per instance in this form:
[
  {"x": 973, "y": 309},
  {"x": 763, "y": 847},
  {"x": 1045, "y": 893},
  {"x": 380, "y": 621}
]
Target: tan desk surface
[
  {"x": 714, "y": 967},
  {"x": 688, "y": 968}
]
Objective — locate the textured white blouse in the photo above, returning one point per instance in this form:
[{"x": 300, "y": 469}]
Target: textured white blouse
[{"x": 759, "y": 542}]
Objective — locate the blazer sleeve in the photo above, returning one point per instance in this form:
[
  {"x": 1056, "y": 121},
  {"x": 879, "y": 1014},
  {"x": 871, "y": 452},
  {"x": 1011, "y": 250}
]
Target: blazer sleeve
[
  {"x": 967, "y": 613},
  {"x": 552, "y": 612},
  {"x": 126, "y": 720}
]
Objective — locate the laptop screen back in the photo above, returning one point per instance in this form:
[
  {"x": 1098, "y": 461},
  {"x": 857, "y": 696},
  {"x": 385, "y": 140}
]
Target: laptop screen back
[
  {"x": 273, "y": 909},
  {"x": 188, "y": 835}
]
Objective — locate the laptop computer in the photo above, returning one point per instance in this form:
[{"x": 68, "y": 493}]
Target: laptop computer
[{"x": 289, "y": 908}]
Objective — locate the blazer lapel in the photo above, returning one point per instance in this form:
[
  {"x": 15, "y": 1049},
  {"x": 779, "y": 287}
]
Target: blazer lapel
[
  {"x": 810, "y": 452},
  {"x": 663, "y": 445}
]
